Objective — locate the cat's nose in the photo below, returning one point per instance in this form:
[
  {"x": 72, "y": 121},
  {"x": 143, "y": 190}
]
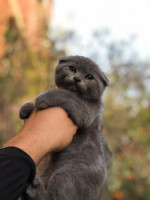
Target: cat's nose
[{"x": 77, "y": 79}]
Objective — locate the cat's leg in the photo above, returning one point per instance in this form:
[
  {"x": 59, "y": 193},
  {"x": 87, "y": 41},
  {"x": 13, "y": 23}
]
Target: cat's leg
[
  {"x": 75, "y": 183},
  {"x": 71, "y": 183},
  {"x": 26, "y": 110},
  {"x": 81, "y": 114},
  {"x": 61, "y": 187},
  {"x": 35, "y": 191}
]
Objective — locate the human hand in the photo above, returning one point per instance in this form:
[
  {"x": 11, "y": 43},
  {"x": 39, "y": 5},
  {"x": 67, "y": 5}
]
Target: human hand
[{"x": 45, "y": 131}]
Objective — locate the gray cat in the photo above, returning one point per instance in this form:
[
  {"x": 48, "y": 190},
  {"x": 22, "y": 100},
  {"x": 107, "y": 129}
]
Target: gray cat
[{"x": 79, "y": 171}]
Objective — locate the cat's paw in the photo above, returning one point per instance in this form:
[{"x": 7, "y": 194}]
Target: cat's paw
[
  {"x": 26, "y": 110},
  {"x": 35, "y": 189},
  {"x": 42, "y": 102}
]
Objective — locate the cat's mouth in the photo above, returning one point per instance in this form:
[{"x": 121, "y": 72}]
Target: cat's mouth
[
  {"x": 82, "y": 86},
  {"x": 74, "y": 85},
  {"x": 78, "y": 88}
]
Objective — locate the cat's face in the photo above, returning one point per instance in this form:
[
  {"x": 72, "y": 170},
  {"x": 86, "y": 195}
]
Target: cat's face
[{"x": 82, "y": 76}]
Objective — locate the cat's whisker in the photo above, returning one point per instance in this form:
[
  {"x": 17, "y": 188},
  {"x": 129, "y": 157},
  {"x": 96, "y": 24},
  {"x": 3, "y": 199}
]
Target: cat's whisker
[
  {"x": 83, "y": 86},
  {"x": 69, "y": 79}
]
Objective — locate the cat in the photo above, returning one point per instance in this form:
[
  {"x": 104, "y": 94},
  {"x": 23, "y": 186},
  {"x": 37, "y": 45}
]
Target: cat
[{"x": 79, "y": 171}]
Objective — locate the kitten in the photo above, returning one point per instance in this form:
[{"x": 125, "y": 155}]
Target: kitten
[{"x": 79, "y": 171}]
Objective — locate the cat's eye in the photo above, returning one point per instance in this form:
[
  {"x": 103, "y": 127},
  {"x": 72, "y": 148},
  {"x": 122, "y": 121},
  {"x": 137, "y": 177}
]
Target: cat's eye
[
  {"x": 72, "y": 68},
  {"x": 89, "y": 77}
]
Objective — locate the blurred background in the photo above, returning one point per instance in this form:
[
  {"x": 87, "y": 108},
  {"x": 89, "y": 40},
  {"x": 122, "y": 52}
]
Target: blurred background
[{"x": 115, "y": 34}]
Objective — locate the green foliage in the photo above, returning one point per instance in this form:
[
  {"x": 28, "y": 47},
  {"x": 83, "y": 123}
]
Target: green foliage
[
  {"x": 24, "y": 73},
  {"x": 127, "y": 129},
  {"x": 12, "y": 33}
]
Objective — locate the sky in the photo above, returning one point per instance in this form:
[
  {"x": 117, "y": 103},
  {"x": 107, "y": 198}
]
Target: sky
[{"x": 124, "y": 18}]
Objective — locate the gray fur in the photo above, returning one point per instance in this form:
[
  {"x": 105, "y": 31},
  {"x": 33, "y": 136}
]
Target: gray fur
[{"x": 79, "y": 171}]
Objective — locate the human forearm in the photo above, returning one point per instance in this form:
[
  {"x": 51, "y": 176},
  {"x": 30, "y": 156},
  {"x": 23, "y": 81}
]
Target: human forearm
[{"x": 45, "y": 131}]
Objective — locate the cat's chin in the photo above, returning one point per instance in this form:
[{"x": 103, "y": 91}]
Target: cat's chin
[{"x": 74, "y": 89}]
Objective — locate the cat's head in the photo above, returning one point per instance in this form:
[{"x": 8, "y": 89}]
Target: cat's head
[{"x": 82, "y": 76}]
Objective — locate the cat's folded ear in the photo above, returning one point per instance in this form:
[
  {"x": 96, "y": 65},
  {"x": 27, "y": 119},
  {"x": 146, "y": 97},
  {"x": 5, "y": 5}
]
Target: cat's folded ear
[
  {"x": 63, "y": 59},
  {"x": 104, "y": 78}
]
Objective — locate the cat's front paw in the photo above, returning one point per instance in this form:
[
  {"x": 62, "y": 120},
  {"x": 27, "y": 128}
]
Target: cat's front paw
[
  {"x": 41, "y": 103},
  {"x": 26, "y": 110},
  {"x": 35, "y": 190}
]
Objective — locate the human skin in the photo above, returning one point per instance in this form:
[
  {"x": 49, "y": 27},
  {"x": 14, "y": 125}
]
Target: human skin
[{"x": 45, "y": 131}]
